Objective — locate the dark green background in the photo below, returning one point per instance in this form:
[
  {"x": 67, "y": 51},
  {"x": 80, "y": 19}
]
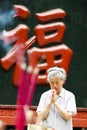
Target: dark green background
[{"x": 75, "y": 37}]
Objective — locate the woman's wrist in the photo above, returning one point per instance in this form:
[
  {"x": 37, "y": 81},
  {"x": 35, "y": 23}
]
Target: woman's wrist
[
  {"x": 58, "y": 106},
  {"x": 49, "y": 103},
  {"x": 55, "y": 103}
]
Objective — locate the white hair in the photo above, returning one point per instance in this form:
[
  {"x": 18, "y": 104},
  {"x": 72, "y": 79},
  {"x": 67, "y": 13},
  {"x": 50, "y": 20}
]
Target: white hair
[{"x": 56, "y": 72}]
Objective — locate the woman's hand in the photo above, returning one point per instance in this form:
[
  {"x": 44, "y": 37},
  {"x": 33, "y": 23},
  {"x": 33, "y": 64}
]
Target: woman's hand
[{"x": 53, "y": 96}]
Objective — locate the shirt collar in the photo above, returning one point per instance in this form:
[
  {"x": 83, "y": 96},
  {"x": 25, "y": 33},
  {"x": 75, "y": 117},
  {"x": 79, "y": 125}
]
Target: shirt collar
[{"x": 61, "y": 93}]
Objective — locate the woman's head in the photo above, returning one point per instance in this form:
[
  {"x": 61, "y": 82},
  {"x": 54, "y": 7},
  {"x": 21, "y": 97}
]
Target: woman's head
[
  {"x": 56, "y": 78},
  {"x": 56, "y": 72}
]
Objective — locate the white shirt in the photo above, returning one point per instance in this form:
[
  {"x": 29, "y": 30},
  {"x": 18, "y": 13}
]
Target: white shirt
[{"x": 67, "y": 100}]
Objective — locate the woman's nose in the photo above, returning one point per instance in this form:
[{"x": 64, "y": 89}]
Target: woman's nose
[{"x": 55, "y": 84}]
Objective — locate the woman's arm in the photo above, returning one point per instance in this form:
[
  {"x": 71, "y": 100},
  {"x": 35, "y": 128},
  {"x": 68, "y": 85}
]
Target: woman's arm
[
  {"x": 65, "y": 114},
  {"x": 44, "y": 113}
]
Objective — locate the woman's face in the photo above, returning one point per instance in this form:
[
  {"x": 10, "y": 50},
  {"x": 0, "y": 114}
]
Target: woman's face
[{"x": 56, "y": 83}]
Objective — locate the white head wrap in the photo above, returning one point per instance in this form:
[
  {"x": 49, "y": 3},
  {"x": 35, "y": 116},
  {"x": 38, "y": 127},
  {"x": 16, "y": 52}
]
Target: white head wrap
[{"x": 56, "y": 72}]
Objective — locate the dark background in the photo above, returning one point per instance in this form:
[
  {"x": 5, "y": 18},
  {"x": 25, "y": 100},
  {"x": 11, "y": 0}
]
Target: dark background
[{"x": 74, "y": 37}]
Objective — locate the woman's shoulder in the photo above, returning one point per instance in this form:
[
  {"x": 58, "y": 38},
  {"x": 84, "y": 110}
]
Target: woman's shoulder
[{"x": 67, "y": 92}]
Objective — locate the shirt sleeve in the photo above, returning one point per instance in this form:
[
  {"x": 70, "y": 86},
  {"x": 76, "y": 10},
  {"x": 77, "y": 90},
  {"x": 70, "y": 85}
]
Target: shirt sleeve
[
  {"x": 71, "y": 104},
  {"x": 41, "y": 103}
]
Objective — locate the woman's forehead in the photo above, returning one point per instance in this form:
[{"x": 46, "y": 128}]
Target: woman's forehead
[{"x": 55, "y": 79}]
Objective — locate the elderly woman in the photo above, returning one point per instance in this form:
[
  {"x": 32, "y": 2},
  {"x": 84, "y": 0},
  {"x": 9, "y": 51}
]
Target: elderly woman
[{"x": 56, "y": 105}]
